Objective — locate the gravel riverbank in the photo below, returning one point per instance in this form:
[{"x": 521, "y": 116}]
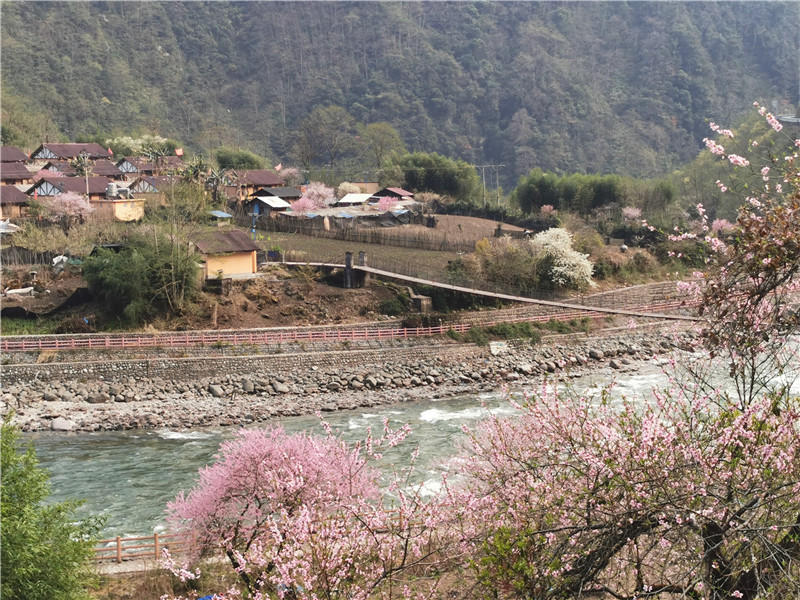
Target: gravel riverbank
[{"x": 98, "y": 404}]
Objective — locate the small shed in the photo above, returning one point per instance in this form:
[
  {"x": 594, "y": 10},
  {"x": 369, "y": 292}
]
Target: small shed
[
  {"x": 227, "y": 252},
  {"x": 220, "y": 217}
]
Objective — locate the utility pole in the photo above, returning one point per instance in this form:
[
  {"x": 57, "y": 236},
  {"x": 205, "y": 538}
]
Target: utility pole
[{"x": 483, "y": 179}]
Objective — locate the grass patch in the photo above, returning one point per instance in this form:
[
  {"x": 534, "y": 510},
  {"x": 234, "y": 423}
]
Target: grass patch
[
  {"x": 582, "y": 325},
  {"x": 502, "y": 331},
  {"x": 9, "y": 326}
]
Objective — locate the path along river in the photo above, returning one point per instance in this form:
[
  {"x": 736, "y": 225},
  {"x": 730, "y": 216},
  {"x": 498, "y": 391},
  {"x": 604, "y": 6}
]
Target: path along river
[{"x": 129, "y": 476}]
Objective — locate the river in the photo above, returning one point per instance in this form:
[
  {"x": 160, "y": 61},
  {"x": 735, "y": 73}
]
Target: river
[{"x": 129, "y": 476}]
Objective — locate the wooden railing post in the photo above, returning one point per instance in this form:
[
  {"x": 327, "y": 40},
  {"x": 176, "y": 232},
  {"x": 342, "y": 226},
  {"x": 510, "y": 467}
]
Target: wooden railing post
[
  {"x": 119, "y": 549},
  {"x": 155, "y": 544}
]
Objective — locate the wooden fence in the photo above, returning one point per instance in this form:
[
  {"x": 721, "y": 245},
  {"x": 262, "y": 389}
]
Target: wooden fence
[
  {"x": 120, "y": 549},
  {"x": 357, "y": 233},
  {"x": 16, "y": 256}
]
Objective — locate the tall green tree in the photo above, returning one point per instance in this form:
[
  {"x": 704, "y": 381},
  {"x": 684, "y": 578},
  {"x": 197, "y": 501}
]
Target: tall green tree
[
  {"x": 46, "y": 549},
  {"x": 435, "y": 173},
  {"x": 235, "y": 158},
  {"x": 331, "y": 131},
  {"x": 379, "y": 141}
]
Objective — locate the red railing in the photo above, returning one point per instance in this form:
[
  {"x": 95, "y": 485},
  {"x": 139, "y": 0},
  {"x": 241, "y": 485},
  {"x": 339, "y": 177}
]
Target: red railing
[{"x": 273, "y": 337}]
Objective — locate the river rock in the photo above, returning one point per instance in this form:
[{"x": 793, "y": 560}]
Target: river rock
[
  {"x": 62, "y": 424},
  {"x": 280, "y": 387},
  {"x": 216, "y": 391}
]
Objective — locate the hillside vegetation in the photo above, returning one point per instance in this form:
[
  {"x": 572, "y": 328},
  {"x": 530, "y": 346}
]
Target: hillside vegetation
[{"x": 566, "y": 87}]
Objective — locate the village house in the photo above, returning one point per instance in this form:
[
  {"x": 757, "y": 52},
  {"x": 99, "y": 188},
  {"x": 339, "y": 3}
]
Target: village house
[
  {"x": 12, "y": 154},
  {"x": 155, "y": 184},
  {"x": 15, "y": 173},
  {"x": 227, "y": 252},
  {"x": 393, "y": 192},
  {"x": 93, "y": 187},
  {"x": 69, "y": 151},
  {"x": 270, "y": 201},
  {"x": 119, "y": 205},
  {"x": 245, "y": 182},
  {"x": 13, "y": 202},
  {"x": 136, "y": 166}
]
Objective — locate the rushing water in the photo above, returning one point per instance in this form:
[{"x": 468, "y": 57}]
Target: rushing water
[{"x": 129, "y": 476}]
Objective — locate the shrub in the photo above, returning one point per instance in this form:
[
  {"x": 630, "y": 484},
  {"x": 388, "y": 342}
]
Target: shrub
[
  {"x": 392, "y": 306},
  {"x": 47, "y": 549}
]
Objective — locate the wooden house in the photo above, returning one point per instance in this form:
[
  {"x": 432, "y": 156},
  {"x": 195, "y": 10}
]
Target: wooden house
[
  {"x": 15, "y": 173},
  {"x": 12, "y": 154},
  {"x": 70, "y": 151},
  {"x": 136, "y": 166},
  {"x": 227, "y": 252},
  {"x": 393, "y": 192},
  {"x": 154, "y": 184},
  {"x": 245, "y": 182},
  {"x": 94, "y": 187},
  {"x": 106, "y": 168},
  {"x": 59, "y": 168},
  {"x": 270, "y": 201},
  {"x": 13, "y": 202}
]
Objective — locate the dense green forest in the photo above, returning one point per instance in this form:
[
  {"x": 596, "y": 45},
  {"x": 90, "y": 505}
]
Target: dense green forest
[{"x": 592, "y": 87}]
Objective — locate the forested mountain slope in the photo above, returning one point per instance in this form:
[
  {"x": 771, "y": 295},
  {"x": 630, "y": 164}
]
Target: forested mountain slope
[{"x": 590, "y": 86}]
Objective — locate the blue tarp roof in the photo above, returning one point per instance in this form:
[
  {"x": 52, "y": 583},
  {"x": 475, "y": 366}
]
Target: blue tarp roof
[
  {"x": 344, "y": 215},
  {"x": 220, "y": 214}
]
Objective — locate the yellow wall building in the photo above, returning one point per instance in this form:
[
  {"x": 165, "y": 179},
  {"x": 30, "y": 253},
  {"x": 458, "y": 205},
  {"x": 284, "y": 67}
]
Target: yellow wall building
[{"x": 227, "y": 252}]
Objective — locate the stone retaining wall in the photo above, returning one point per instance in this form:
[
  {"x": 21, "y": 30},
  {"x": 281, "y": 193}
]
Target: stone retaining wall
[{"x": 187, "y": 369}]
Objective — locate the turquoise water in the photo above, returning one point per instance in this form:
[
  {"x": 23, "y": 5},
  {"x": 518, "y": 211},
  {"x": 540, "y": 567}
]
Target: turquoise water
[{"x": 129, "y": 476}]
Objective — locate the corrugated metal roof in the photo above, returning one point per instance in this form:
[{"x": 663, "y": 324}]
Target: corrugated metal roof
[
  {"x": 280, "y": 192},
  {"x": 274, "y": 202},
  {"x": 224, "y": 241},
  {"x": 354, "y": 198},
  {"x": 220, "y": 214},
  {"x": 394, "y": 191}
]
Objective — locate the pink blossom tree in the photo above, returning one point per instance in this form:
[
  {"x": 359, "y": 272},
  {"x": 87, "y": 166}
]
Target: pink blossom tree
[
  {"x": 319, "y": 193},
  {"x": 67, "y": 208},
  {"x": 386, "y": 203},
  {"x": 304, "y": 515},
  {"x": 291, "y": 176},
  {"x": 632, "y": 213},
  {"x": 691, "y": 493},
  {"x": 303, "y": 205},
  {"x": 665, "y": 498},
  {"x": 747, "y": 293},
  {"x": 316, "y": 196}
]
